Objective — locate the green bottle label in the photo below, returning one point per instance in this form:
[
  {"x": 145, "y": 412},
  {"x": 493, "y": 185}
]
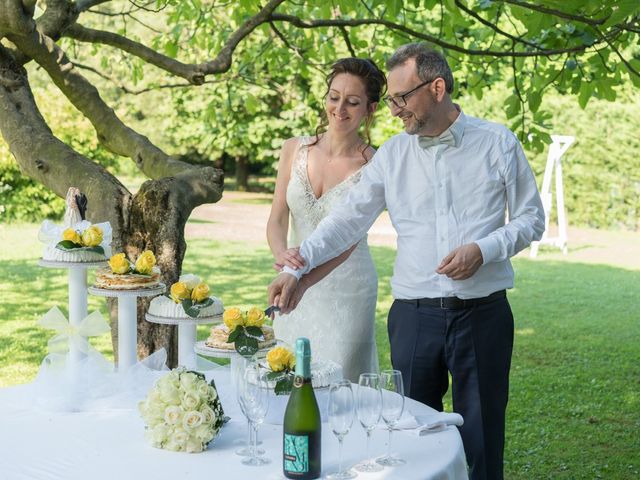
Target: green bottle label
[{"x": 296, "y": 453}]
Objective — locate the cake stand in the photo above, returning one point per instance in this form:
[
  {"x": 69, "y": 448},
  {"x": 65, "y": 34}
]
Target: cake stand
[
  {"x": 78, "y": 306},
  {"x": 186, "y": 335},
  {"x": 127, "y": 320}
]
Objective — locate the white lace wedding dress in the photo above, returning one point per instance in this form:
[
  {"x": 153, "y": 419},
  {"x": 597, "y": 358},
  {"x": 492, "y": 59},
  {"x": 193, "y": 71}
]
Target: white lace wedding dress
[{"x": 337, "y": 314}]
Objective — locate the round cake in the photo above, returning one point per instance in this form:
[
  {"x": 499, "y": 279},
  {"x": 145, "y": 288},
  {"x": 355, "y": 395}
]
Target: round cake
[
  {"x": 76, "y": 240},
  {"x": 220, "y": 335},
  {"x": 105, "y": 278},
  {"x": 162, "y": 306}
]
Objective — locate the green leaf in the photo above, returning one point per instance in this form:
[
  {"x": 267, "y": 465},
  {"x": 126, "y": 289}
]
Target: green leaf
[
  {"x": 255, "y": 332},
  {"x": 246, "y": 346},
  {"x": 586, "y": 90},
  {"x": 622, "y": 10},
  {"x": 96, "y": 249},
  {"x": 283, "y": 386},
  {"x": 534, "y": 99},
  {"x": 271, "y": 376},
  {"x": 68, "y": 245},
  {"x": 233, "y": 336}
]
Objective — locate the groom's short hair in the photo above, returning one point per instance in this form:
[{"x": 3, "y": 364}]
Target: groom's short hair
[{"x": 429, "y": 63}]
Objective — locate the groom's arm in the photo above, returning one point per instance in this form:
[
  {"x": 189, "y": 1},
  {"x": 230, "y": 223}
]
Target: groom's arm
[{"x": 347, "y": 223}]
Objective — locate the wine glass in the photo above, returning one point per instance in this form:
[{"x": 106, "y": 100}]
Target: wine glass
[
  {"x": 369, "y": 408},
  {"x": 238, "y": 378},
  {"x": 254, "y": 402},
  {"x": 392, "y": 408},
  {"x": 341, "y": 410}
]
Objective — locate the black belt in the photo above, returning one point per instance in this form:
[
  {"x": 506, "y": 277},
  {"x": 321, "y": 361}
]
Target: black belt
[{"x": 455, "y": 303}]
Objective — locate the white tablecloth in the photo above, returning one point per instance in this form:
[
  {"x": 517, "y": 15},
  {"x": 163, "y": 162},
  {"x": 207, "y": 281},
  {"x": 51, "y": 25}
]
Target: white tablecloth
[{"x": 110, "y": 445}]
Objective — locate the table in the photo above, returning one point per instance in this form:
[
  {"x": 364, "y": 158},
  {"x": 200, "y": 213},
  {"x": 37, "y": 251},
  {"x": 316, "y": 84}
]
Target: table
[
  {"x": 110, "y": 444},
  {"x": 127, "y": 320}
]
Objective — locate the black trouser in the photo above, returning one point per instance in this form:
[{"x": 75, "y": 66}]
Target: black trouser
[{"x": 475, "y": 345}]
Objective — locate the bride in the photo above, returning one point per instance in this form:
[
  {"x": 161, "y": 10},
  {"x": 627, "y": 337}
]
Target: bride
[{"x": 337, "y": 312}]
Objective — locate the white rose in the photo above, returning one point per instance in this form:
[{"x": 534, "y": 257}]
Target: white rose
[
  {"x": 158, "y": 435},
  {"x": 170, "y": 393},
  {"x": 189, "y": 381},
  {"x": 192, "y": 419},
  {"x": 170, "y": 379},
  {"x": 203, "y": 390},
  {"x": 180, "y": 437},
  {"x": 190, "y": 280},
  {"x": 172, "y": 445},
  {"x": 190, "y": 401},
  {"x": 208, "y": 415},
  {"x": 194, "y": 445},
  {"x": 213, "y": 394},
  {"x": 172, "y": 415},
  {"x": 204, "y": 433}
]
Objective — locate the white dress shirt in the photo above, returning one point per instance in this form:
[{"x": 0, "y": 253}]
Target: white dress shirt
[{"x": 440, "y": 198}]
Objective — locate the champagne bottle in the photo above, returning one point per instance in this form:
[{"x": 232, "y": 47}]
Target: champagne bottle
[{"x": 302, "y": 425}]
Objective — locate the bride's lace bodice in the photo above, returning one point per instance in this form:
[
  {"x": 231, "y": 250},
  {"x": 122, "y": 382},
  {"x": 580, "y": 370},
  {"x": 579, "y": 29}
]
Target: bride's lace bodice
[
  {"x": 306, "y": 209},
  {"x": 338, "y": 313}
]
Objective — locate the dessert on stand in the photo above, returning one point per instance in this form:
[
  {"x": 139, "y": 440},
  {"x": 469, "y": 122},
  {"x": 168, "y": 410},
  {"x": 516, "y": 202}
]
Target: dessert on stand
[
  {"x": 126, "y": 281},
  {"x": 76, "y": 246},
  {"x": 187, "y": 305}
]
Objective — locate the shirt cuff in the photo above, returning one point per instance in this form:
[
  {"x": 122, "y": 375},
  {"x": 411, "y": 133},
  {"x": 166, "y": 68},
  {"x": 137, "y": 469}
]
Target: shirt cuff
[
  {"x": 291, "y": 271},
  {"x": 490, "y": 249}
]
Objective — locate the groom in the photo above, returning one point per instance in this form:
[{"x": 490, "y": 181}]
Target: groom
[{"x": 447, "y": 183}]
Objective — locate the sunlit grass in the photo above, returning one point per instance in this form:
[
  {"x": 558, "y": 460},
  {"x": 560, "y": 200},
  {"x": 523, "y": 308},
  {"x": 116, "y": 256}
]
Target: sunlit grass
[{"x": 574, "y": 408}]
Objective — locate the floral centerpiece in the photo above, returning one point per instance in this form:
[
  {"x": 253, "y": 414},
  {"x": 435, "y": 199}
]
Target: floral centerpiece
[
  {"x": 245, "y": 329},
  {"x": 120, "y": 264},
  {"x": 281, "y": 362},
  {"x": 182, "y": 412},
  {"x": 192, "y": 293},
  {"x": 83, "y": 236}
]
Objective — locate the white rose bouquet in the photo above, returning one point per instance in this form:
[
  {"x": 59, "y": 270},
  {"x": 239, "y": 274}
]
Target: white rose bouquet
[{"x": 182, "y": 412}]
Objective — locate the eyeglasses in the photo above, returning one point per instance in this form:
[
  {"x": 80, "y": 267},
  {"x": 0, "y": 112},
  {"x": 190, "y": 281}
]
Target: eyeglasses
[{"x": 401, "y": 100}]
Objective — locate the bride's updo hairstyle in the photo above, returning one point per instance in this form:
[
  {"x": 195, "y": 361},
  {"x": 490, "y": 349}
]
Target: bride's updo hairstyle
[{"x": 375, "y": 84}]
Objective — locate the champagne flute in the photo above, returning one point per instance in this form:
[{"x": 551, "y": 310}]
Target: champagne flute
[
  {"x": 369, "y": 408},
  {"x": 254, "y": 401},
  {"x": 240, "y": 368},
  {"x": 341, "y": 412},
  {"x": 392, "y": 408}
]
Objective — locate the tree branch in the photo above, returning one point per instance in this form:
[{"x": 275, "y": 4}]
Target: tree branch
[
  {"x": 191, "y": 73},
  {"x": 556, "y": 13},
  {"x": 494, "y": 27},
  {"x": 347, "y": 41},
  {"x": 298, "y": 22},
  {"x": 84, "y": 5},
  {"x": 222, "y": 62},
  {"x": 202, "y": 184}
]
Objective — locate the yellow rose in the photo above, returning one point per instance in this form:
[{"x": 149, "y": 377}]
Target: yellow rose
[
  {"x": 71, "y": 235},
  {"x": 255, "y": 317},
  {"x": 200, "y": 292},
  {"x": 233, "y": 317},
  {"x": 280, "y": 358},
  {"x": 92, "y": 236},
  {"x": 145, "y": 262},
  {"x": 179, "y": 292},
  {"x": 119, "y": 263}
]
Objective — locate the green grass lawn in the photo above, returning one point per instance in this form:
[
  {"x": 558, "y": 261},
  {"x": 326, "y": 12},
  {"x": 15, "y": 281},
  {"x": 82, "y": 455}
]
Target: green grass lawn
[{"x": 574, "y": 409}]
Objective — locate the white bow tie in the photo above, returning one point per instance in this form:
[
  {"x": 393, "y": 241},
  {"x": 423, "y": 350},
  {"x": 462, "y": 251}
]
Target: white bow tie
[{"x": 446, "y": 137}]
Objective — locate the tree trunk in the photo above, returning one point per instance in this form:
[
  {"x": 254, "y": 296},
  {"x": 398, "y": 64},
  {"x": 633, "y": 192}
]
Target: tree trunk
[{"x": 242, "y": 173}]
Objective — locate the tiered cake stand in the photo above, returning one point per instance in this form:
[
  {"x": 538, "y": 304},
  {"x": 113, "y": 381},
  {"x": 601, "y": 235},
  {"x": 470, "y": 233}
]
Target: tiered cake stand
[
  {"x": 78, "y": 304},
  {"x": 186, "y": 335},
  {"x": 127, "y": 320}
]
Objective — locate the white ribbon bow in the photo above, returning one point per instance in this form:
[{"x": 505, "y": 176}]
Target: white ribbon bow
[{"x": 72, "y": 335}]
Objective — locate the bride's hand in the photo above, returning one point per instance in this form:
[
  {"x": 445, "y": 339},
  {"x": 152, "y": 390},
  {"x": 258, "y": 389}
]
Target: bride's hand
[
  {"x": 290, "y": 257},
  {"x": 298, "y": 294}
]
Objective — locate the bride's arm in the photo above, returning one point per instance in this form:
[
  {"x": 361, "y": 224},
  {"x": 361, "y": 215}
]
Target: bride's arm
[{"x": 278, "y": 223}]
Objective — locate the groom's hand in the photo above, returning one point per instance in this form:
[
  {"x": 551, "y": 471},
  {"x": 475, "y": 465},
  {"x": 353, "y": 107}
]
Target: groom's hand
[
  {"x": 462, "y": 262},
  {"x": 281, "y": 291}
]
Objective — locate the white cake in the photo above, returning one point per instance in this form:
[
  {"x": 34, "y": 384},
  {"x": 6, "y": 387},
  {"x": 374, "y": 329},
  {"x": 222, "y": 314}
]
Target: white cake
[
  {"x": 162, "y": 306},
  {"x": 51, "y": 253},
  {"x": 51, "y": 234}
]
